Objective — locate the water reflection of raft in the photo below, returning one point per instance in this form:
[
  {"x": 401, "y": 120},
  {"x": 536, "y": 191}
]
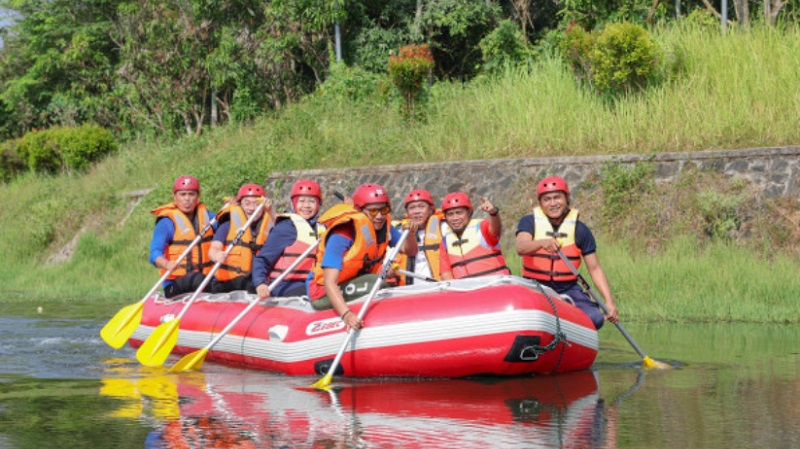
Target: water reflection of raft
[
  {"x": 542, "y": 411},
  {"x": 501, "y": 325},
  {"x": 245, "y": 409}
]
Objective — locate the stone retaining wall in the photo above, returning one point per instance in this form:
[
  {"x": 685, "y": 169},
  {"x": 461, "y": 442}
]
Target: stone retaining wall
[{"x": 775, "y": 171}]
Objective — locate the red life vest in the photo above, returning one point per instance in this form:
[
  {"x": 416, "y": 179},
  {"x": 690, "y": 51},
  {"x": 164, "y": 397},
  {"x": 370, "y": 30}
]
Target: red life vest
[
  {"x": 471, "y": 256},
  {"x": 240, "y": 260},
  {"x": 185, "y": 232},
  {"x": 306, "y": 236},
  {"x": 546, "y": 266},
  {"x": 365, "y": 255}
]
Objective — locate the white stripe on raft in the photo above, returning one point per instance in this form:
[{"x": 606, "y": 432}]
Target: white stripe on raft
[{"x": 390, "y": 335}]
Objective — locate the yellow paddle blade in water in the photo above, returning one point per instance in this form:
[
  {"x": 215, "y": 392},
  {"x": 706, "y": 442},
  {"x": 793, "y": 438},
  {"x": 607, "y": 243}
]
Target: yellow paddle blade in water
[
  {"x": 190, "y": 362},
  {"x": 647, "y": 362},
  {"x": 155, "y": 350},
  {"x": 324, "y": 383},
  {"x": 120, "y": 328}
]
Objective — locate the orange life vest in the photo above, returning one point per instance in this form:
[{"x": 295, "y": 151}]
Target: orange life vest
[
  {"x": 185, "y": 232},
  {"x": 306, "y": 236},
  {"x": 240, "y": 260},
  {"x": 546, "y": 266},
  {"x": 430, "y": 245},
  {"x": 471, "y": 256},
  {"x": 365, "y": 255}
]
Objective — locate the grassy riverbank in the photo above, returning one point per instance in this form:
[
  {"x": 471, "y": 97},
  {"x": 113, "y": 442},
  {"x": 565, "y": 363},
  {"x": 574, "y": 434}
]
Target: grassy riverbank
[{"x": 732, "y": 92}]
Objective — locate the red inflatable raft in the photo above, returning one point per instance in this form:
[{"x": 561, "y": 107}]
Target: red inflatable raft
[{"x": 499, "y": 325}]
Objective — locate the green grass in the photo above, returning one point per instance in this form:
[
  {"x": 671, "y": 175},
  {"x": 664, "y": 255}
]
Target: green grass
[
  {"x": 737, "y": 91},
  {"x": 691, "y": 283}
]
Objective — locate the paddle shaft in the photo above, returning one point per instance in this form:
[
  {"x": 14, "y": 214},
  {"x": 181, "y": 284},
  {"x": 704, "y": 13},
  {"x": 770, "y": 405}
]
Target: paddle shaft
[
  {"x": 387, "y": 263},
  {"x": 216, "y": 266},
  {"x": 600, "y": 302},
  {"x": 124, "y": 323},
  {"x": 184, "y": 253},
  {"x": 414, "y": 275},
  {"x": 254, "y": 302}
]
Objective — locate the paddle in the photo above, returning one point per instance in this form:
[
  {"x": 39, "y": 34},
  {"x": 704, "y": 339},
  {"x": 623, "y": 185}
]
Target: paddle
[
  {"x": 121, "y": 326},
  {"x": 325, "y": 381},
  {"x": 414, "y": 275},
  {"x": 647, "y": 362},
  {"x": 195, "y": 359},
  {"x": 155, "y": 350}
]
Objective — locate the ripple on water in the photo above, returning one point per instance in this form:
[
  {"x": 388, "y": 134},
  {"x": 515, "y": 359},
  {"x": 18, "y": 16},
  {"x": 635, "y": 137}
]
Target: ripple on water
[{"x": 53, "y": 348}]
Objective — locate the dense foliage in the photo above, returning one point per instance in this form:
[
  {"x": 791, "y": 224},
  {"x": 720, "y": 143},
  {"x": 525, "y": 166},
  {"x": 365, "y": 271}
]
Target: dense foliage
[
  {"x": 146, "y": 67},
  {"x": 97, "y": 246}
]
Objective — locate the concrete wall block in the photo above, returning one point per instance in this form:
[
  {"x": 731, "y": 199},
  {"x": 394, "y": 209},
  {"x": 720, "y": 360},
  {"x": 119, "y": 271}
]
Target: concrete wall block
[{"x": 776, "y": 171}]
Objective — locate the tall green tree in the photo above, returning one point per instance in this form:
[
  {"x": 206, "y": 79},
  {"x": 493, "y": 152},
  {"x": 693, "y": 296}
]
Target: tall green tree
[
  {"x": 454, "y": 30},
  {"x": 163, "y": 47},
  {"x": 57, "y": 63}
]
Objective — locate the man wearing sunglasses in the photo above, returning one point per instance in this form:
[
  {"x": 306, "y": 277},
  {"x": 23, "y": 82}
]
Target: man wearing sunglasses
[
  {"x": 235, "y": 271},
  {"x": 350, "y": 256},
  {"x": 470, "y": 246}
]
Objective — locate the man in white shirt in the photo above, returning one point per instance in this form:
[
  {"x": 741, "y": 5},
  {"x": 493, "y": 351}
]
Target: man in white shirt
[{"x": 420, "y": 208}]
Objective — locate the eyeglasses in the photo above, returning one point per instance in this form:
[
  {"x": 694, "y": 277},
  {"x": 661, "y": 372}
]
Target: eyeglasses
[{"x": 374, "y": 211}]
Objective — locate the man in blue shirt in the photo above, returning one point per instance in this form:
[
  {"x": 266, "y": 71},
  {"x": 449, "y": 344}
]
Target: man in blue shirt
[
  {"x": 350, "y": 257},
  {"x": 293, "y": 233},
  {"x": 553, "y": 226},
  {"x": 177, "y": 225}
]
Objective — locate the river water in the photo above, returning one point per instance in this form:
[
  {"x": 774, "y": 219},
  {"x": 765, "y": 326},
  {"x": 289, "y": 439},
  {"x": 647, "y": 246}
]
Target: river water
[{"x": 732, "y": 386}]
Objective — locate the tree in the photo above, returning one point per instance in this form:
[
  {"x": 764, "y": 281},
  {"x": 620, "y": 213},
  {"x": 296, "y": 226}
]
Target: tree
[
  {"x": 163, "y": 49},
  {"x": 56, "y": 65},
  {"x": 454, "y": 29}
]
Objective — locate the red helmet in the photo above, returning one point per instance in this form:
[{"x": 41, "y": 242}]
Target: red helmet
[
  {"x": 456, "y": 199},
  {"x": 370, "y": 193},
  {"x": 306, "y": 187},
  {"x": 249, "y": 190},
  {"x": 419, "y": 195},
  {"x": 552, "y": 184},
  {"x": 186, "y": 182}
]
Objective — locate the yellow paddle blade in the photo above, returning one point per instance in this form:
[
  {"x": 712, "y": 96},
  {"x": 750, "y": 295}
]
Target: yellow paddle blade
[
  {"x": 155, "y": 350},
  {"x": 120, "y": 328},
  {"x": 324, "y": 383},
  {"x": 190, "y": 362},
  {"x": 647, "y": 362}
]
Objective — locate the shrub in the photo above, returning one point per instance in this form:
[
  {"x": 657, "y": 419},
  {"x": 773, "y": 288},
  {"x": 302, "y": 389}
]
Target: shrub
[
  {"x": 720, "y": 213},
  {"x": 505, "y": 46},
  {"x": 81, "y": 146},
  {"x": 10, "y": 162},
  {"x": 624, "y": 58},
  {"x": 623, "y": 185},
  {"x": 620, "y": 59},
  {"x": 408, "y": 71},
  {"x": 702, "y": 19},
  {"x": 244, "y": 105},
  {"x": 65, "y": 149},
  {"x": 576, "y": 48},
  {"x": 37, "y": 153},
  {"x": 353, "y": 84}
]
